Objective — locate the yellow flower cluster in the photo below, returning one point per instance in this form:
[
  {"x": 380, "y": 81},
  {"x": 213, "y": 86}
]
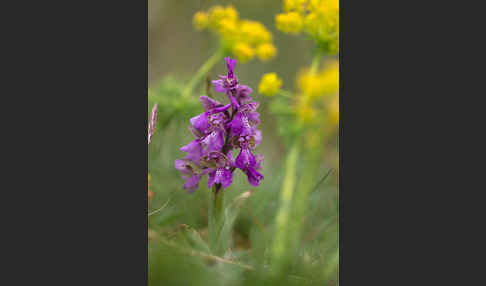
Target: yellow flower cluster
[
  {"x": 269, "y": 84},
  {"x": 322, "y": 83},
  {"x": 313, "y": 85},
  {"x": 243, "y": 38},
  {"x": 291, "y": 22},
  {"x": 318, "y": 18}
]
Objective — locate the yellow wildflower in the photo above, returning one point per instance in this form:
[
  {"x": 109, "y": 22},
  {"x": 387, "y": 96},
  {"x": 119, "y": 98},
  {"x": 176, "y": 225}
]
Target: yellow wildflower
[
  {"x": 266, "y": 52},
  {"x": 231, "y": 13},
  {"x": 323, "y": 25},
  {"x": 200, "y": 20},
  {"x": 289, "y": 23},
  {"x": 294, "y": 5},
  {"x": 329, "y": 4},
  {"x": 228, "y": 30},
  {"x": 309, "y": 84},
  {"x": 243, "y": 38},
  {"x": 243, "y": 52},
  {"x": 329, "y": 78},
  {"x": 305, "y": 111},
  {"x": 318, "y": 84},
  {"x": 218, "y": 13},
  {"x": 254, "y": 32},
  {"x": 269, "y": 84}
]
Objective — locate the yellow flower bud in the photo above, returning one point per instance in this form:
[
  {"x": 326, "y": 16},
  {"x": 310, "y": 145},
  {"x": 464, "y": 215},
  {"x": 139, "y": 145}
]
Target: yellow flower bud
[
  {"x": 243, "y": 52},
  {"x": 200, "y": 20},
  {"x": 269, "y": 84},
  {"x": 266, "y": 52},
  {"x": 289, "y": 23}
]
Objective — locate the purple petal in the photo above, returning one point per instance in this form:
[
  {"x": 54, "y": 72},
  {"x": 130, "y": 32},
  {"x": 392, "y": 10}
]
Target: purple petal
[
  {"x": 218, "y": 85},
  {"x": 259, "y": 160},
  {"x": 192, "y": 183},
  {"x": 194, "y": 150},
  {"x": 234, "y": 102},
  {"x": 230, "y": 65},
  {"x": 243, "y": 93},
  {"x": 254, "y": 118},
  {"x": 240, "y": 125},
  {"x": 211, "y": 178},
  {"x": 254, "y": 177},
  {"x": 245, "y": 159},
  {"x": 221, "y": 108},
  {"x": 214, "y": 141},
  {"x": 222, "y": 176},
  {"x": 209, "y": 103},
  {"x": 180, "y": 165},
  {"x": 252, "y": 106},
  {"x": 200, "y": 122},
  {"x": 226, "y": 178},
  {"x": 229, "y": 156},
  {"x": 258, "y": 137},
  {"x": 195, "y": 132}
]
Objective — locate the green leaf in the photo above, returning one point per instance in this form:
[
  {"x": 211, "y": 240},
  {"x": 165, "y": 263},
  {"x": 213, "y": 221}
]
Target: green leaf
[
  {"x": 230, "y": 214},
  {"x": 195, "y": 240}
]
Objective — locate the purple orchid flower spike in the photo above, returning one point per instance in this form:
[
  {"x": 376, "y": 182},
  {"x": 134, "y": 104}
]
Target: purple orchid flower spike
[
  {"x": 219, "y": 130},
  {"x": 151, "y": 127}
]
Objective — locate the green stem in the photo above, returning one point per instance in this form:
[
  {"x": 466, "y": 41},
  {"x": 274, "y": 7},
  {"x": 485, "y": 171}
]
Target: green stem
[
  {"x": 286, "y": 93},
  {"x": 202, "y": 72},
  {"x": 315, "y": 62},
  {"x": 282, "y": 229},
  {"x": 216, "y": 219}
]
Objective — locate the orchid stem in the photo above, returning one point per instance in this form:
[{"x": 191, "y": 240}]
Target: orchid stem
[
  {"x": 202, "y": 72},
  {"x": 315, "y": 62},
  {"x": 216, "y": 219}
]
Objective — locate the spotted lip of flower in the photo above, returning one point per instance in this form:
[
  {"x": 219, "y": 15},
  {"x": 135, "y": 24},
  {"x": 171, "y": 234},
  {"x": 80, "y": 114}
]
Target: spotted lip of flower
[
  {"x": 245, "y": 119},
  {"x": 214, "y": 141},
  {"x": 222, "y": 176}
]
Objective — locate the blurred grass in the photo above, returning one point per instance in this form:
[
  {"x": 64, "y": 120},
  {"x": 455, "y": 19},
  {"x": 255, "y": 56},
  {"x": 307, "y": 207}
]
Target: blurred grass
[{"x": 176, "y": 50}]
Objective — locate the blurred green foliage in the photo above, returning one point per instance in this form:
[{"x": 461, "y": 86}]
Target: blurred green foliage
[{"x": 178, "y": 221}]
